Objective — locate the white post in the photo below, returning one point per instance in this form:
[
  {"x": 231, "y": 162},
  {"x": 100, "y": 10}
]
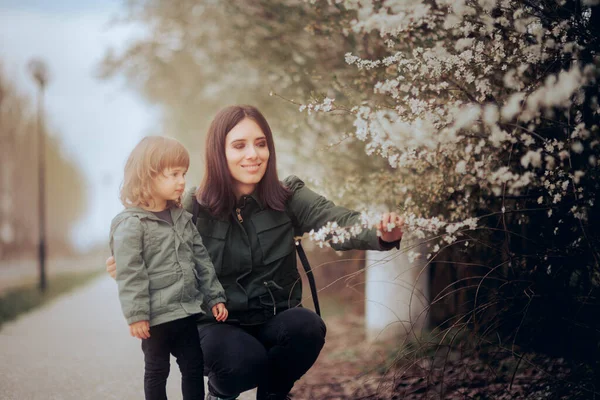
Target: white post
[{"x": 396, "y": 293}]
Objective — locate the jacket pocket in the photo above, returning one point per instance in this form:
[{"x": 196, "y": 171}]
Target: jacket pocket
[
  {"x": 162, "y": 281},
  {"x": 160, "y": 291},
  {"x": 275, "y": 234},
  {"x": 155, "y": 234},
  {"x": 214, "y": 235}
]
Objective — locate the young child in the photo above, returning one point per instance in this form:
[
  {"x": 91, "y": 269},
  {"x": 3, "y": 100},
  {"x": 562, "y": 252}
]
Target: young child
[{"x": 164, "y": 272}]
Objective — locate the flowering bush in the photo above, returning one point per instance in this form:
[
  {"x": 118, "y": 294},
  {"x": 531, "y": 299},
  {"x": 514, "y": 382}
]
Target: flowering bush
[
  {"x": 484, "y": 100},
  {"x": 487, "y": 113}
]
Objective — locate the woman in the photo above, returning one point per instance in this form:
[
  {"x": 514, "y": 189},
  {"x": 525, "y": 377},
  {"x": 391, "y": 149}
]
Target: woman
[{"x": 248, "y": 219}]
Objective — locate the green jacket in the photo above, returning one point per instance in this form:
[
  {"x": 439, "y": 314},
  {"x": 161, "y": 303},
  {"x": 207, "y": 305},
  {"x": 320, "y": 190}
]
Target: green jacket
[
  {"x": 164, "y": 272},
  {"x": 255, "y": 259}
]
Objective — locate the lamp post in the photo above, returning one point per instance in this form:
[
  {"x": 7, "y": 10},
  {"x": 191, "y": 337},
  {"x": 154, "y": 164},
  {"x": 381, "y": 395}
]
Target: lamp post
[{"x": 39, "y": 72}]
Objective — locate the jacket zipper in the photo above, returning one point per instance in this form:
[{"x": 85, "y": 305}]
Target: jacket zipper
[{"x": 238, "y": 210}]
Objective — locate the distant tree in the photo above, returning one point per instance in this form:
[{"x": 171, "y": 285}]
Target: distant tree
[{"x": 18, "y": 181}]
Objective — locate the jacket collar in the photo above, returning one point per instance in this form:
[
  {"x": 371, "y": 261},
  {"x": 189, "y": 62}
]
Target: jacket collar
[
  {"x": 176, "y": 213},
  {"x": 254, "y": 196}
]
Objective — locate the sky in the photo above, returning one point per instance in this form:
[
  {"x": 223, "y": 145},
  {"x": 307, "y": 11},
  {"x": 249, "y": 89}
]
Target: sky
[{"x": 98, "y": 122}]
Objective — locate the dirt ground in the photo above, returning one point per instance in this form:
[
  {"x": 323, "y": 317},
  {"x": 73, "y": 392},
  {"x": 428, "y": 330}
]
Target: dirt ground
[{"x": 350, "y": 368}]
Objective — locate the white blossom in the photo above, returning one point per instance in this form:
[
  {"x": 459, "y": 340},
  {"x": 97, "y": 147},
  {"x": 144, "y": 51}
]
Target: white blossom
[
  {"x": 577, "y": 147},
  {"x": 532, "y": 157}
]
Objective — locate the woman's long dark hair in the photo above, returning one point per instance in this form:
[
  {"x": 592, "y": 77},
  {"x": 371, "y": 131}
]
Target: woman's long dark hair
[{"x": 216, "y": 190}]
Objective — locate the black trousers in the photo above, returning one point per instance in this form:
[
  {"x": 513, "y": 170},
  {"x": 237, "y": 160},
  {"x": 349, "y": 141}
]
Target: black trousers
[
  {"x": 271, "y": 356},
  {"x": 180, "y": 338}
]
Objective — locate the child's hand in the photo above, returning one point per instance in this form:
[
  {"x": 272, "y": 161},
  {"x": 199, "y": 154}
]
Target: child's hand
[
  {"x": 220, "y": 312},
  {"x": 140, "y": 329}
]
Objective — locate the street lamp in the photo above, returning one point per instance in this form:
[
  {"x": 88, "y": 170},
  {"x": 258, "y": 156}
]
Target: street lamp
[{"x": 39, "y": 72}]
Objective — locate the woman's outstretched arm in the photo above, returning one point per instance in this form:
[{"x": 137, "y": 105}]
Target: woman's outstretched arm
[{"x": 309, "y": 211}]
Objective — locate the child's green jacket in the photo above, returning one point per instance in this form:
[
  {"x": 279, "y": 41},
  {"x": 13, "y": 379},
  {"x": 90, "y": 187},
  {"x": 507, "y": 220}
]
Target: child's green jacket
[{"x": 164, "y": 272}]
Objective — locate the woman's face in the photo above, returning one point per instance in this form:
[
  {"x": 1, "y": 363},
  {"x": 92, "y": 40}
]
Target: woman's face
[{"x": 247, "y": 155}]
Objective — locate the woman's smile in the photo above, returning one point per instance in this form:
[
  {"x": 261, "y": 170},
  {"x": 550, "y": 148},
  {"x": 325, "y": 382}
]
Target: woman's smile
[{"x": 252, "y": 167}]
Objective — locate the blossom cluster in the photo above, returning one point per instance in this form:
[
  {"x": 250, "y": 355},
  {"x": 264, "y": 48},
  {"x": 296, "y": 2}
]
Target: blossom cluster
[
  {"x": 464, "y": 98},
  {"x": 437, "y": 231},
  {"x": 325, "y": 106}
]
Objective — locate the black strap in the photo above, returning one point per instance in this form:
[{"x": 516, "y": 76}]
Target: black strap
[
  {"x": 309, "y": 275},
  {"x": 299, "y": 249}
]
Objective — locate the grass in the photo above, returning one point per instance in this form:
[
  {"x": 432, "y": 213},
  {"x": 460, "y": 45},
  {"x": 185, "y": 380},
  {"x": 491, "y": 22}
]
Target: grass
[{"x": 24, "y": 298}]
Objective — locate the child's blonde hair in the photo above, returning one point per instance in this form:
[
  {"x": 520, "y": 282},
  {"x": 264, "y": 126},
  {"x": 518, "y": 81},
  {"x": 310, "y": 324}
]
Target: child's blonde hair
[{"x": 151, "y": 156}]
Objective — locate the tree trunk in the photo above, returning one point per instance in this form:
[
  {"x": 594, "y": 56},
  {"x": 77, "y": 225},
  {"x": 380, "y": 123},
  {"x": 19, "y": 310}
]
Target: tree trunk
[{"x": 397, "y": 293}]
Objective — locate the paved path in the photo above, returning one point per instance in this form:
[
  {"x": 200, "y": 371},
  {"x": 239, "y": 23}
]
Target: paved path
[{"x": 77, "y": 347}]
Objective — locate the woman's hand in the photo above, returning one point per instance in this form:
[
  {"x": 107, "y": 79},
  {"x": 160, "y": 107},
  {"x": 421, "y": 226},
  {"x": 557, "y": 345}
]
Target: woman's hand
[
  {"x": 140, "y": 329},
  {"x": 220, "y": 312},
  {"x": 390, "y": 227},
  {"x": 111, "y": 267}
]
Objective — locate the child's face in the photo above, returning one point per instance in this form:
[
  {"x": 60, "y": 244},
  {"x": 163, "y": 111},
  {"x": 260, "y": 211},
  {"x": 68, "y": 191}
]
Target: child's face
[{"x": 170, "y": 184}]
